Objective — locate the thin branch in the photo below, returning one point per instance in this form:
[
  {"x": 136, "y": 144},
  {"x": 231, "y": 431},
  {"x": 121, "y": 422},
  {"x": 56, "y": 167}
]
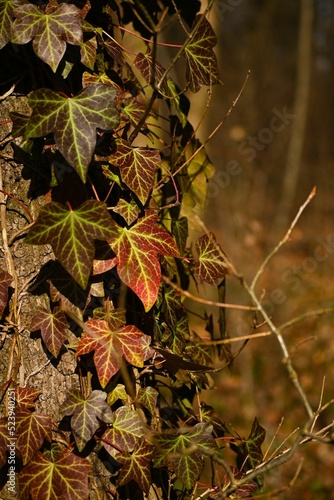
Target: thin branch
[{"x": 284, "y": 239}]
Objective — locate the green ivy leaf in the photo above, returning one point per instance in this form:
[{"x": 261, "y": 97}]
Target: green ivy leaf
[
  {"x": 251, "y": 448},
  {"x": 88, "y": 53},
  {"x": 110, "y": 342},
  {"x": 31, "y": 429},
  {"x": 118, "y": 393},
  {"x": 148, "y": 397},
  {"x": 127, "y": 430},
  {"x": 49, "y": 30},
  {"x": 73, "y": 121},
  {"x": 137, "y": 166},
  {"x": 180, "y": 232},
  {"x": 53, "y": 327},
  {"x": 72, "y": 233},
  {"x": 86, "y": 414},
  {"x": 136, "y": 466},
  {"x": 202, "y": 68},
  {"x": 211, "y": 265},
  {"x": 137, "y": 262},
  {"x": 184, "y": 452},
  {"x": 5, "y": 281},
  {"x": 63, "y": 479}
]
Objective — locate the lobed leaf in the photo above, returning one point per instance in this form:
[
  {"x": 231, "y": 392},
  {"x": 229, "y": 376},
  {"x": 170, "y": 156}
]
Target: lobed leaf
[
  {"x": 202, "y": 67},
  {"x": 137, "y": 262},
  {"x": 137, "y": 166},
  {"x": 73, "y": 121},
  {"x": 211, "y": 265},
  {"x": 136, "y": 466},
  {"x": 53, "y": 327},
  {"x": 72, "y": 233},
  {"x": 49, "y": 30},
  {"x": 25, "y": 398},
  {"x": 31, "y": 429},
  {"x": 86, "y": 413},
  {"x": 126, "y": 432},
  {"x": 63, "y": 479},
  {"x": 6, "y": 19}
]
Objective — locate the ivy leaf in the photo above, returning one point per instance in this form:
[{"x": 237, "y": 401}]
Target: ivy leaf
[
  {"x": 25, "y": 398},
  {"x": 144, "y": 63},
  {"x": 110, "y": 342},
  {"x": 129, "y": 211},
  {"x": 202, "y": 68},
  {"x": 31, "y": 429},
  {"x": 71, "y": 233},
  {"x": 244, "y": 491},
  {"x": 86, "y": 414},
  {"x": 180, "y": 232},
  {"x": 73, "y": 121},
  {"x": 137, "y": 166},
  {"x": 63, "y": 479},
  {"x": 211, "y": 265},
  {"x": 114, "y": 50},
  {"x": 184, "y": 452},
  {"x": 5, "y": 281},
  {"x": 53, "y": 327},
  {"x": 6, "y": 19},
  {"x": 133, "y": 111},
  {"x": 137, "y": 262},
  {"x": 136, "y": 466},
  {"x": 49, "y": 30},
  {"x": 88, "y": 53},
  {"x": 148, "y": 397},
  {"x": 126, "y": 431},
  {"x": 250, "y": 450},
  {"x": 118, "y": 393}
]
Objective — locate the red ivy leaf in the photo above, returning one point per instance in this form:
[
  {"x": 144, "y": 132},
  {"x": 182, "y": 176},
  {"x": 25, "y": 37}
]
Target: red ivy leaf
[
  {"x": 136, "y": 466},
  {"x": 211, "y": 265},
  {"x": 144, "y": 63},
  {"x": 137, "y": 262},
  {"x": 110, "y": 342},
  {"x": 202, "y": 68},
  {"x": 52, "y": 326},
  {"x": 137, "y": 166},
  {"x": 72, "y": 233},
  {"x": 25, "y": 398},
  {"x": 5, "y": 281},
  {"x": 64, "y": 479},
  {"x": 86, "y": 414},
  {"x": 31, "y": 429}
]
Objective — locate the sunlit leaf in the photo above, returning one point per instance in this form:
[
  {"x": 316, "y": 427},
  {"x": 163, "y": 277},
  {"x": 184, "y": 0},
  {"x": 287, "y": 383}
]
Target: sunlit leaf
[
  {"x": 118, "y": 393},
  {"x": 127, "y": 430},
  {"x": 136, "y": 466},
  {"x": 72, "y": 233},
  {"x": 137, "y": 167},
  {"x": 5, "y": 281},
  {"x": 25, "y": 397},
  {"x": 110, "y": 342},
  {"x": 211, "y": 265},
  {"x": 73, "y": 121},
  {"x": 129, "y": 211},
  {"x": 53, "y": 327},
  {"x": 63, "y": 479},
  {"x": 86, "y": 414},
  {"x": 31, "y": 429},
  {"x": 136, "y": 250},
  {"x": 133, "y": 111},
  {"x": 202, "y": 68},
  {"x": 180, "y": 232},
  {"x": 49, "y": 30}
]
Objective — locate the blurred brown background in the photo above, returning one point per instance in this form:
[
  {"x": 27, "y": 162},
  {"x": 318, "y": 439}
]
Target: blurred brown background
[{"x": 273, "y": 148}]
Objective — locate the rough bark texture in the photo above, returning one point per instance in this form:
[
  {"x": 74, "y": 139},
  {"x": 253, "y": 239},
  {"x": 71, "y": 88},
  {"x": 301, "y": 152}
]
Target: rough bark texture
[{"x": 22, "y": 355}]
